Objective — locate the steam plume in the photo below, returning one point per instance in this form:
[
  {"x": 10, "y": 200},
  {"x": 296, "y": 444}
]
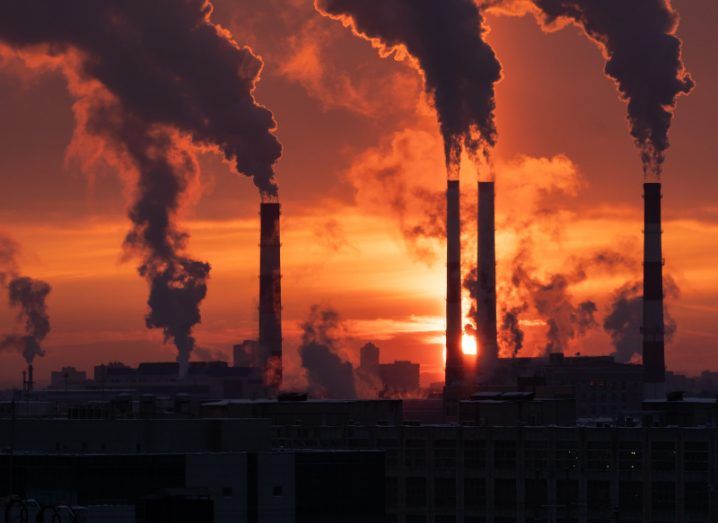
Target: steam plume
[
  {"x": 328, "y": 374},
  {"x": 643, "y": 56},
  {"x": 625, "y": 317},
  {"x": 28, "y": 296},
  {"x": 154, "y": 81},
  {"x": 446, "y": 39},
  {"x": 510, "y": 334}
]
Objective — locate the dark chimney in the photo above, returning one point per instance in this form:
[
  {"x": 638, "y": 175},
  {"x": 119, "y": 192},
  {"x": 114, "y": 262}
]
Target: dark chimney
[
  {"x": 30, "y": 381},
  {"x": 270, "y": 294},
  {"x": 654, "y": 366},
  {"x": 454, "y": 357},
  {"x": 486, "y": 280}
]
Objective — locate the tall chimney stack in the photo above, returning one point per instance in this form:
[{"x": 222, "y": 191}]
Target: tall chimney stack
[
  {"x": 270, "y": 294},
  {"x": 454, "y": 357},
  {"x": 30, "y": 385},
  {"x": 654, "y": 366},
  {"x": 486, "y": 335}
]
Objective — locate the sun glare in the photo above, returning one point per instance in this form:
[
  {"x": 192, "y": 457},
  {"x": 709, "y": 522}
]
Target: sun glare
[{"x": 468, "y": 344}]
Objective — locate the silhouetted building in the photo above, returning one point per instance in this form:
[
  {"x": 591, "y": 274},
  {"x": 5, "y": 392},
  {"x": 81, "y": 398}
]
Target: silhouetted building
[
  {"x": 312, "y": 486},
  {"x": 400, "y": 376},
  {"x": 208, "y": 379},
  {"x": 68, "y": 377}
]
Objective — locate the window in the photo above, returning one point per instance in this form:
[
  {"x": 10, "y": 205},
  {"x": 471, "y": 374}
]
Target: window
[
  {"x": 566, "y": 493},
  {"x": 415, "y": 453},
  {"x": 536, "y": 455},
  {"x": 598, "y": 456},
  {"x": 445, "y": 453},
  {"x": 663, "y": 455},
  {"x": 599, "y": 495},
  {"x": 474, "y": 493},
  {"x": 630, "y": 456},
  {"x": 696, "y": 497},
  {"x": 505, "y": 493},
  {"x": 663, "y": 496},
  {"x": 566, "y": 455},
  {"x": 536, "y": 493},
  {"x": 415, "y": 492},
  {"x": 474, "y": 454},
  {"x": 630, "y": 495},
  {"x": 445, "y": 492},
  {"x": 695, "y": 455},
  {"x": 505, "y": 454}
]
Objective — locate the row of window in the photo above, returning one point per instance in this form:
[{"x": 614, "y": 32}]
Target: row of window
[{"x": 663, "y": 496}]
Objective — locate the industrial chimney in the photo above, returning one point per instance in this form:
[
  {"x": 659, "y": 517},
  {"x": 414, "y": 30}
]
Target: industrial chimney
[
  {"x": 28, "y": 379},
  {"x": 486, "y": 336},
  {"x": 270, "y": 294},
  {"x": 454, "y": 357},
  {"x": 654, "y": 366}
]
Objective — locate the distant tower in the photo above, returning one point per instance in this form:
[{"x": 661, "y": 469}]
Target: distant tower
[
  {"x": 270, "y": 294},
  {"x": 369, "y": 357},
  {"x": 486, "y": 331},
  {"x": 654, "y": 365},
  {"x": 454, "y": 374}
]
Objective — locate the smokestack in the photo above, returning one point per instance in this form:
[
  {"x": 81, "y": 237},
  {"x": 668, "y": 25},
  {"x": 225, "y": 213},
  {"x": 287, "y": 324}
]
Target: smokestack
[
  {"x": 30, "y": 381},
  {"x": 486, "y": 336},
  {"x": 654, "y": 366},
  {"x": 454, "y": 357},
  {"x": 270, "y": 294}
]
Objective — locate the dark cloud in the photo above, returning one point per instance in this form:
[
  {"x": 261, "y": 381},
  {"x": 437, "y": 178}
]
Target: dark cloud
[
  {"x": 643, "y": 56},
  {"x": 459, "y": 67},
  {"x": 28, "y": 296},
  {"x": 154, "y": 80}
]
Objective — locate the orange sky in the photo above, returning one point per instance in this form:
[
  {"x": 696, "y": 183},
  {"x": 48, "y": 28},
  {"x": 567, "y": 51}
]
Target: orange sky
[{"x": 568, "y": 177}]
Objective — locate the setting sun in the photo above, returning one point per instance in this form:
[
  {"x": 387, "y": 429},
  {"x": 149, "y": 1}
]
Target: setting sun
[{"x": 468, "y": 344}]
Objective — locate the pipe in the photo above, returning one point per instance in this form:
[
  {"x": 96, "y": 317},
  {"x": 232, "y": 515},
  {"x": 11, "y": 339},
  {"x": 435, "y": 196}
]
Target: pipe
[
  {"x": 270, "y": 294},
  {"x": 486, "y": 331},
  {"x": 454, "y": 358},
  {"x": 654, "y": 366}
]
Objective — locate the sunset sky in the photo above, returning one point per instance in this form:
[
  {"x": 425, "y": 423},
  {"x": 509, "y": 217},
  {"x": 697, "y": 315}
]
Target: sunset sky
[{"x": 361, "y": 167}]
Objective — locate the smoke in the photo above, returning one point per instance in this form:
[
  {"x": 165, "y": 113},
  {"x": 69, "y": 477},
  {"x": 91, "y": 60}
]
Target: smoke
[
  {"x": 328, "y": 374},
  {"x": 209, "y": 354},
  {"x": 459, "y": 67},
  {"x": 625, "y": 316},
  {"x": 550, "y": 297},
  {"x": 28, "y": 296},
  {"x": 510, "y": 333},
  {"x": 154, "y": 82},
  {"x": 643, "y": 57}
]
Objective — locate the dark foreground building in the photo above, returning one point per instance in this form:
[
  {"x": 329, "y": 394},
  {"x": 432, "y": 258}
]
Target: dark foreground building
[{"x": 307, "y": 486}]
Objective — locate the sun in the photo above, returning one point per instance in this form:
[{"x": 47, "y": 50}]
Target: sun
[{"x": 468, "y": 344}]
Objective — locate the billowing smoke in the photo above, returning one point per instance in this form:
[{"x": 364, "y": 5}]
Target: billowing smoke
[
  {"x": 329, "y": 375},
  {"x": 511, "y": 334},
  {"x": 446, "y": 39},
  {"x": 643, "y": 56},
  {"x": 550, "y": 297},
  {"x": 625, "y": 316},
  {"x": 153, "y": 82},
  {"x": 28, "y": 296}
]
